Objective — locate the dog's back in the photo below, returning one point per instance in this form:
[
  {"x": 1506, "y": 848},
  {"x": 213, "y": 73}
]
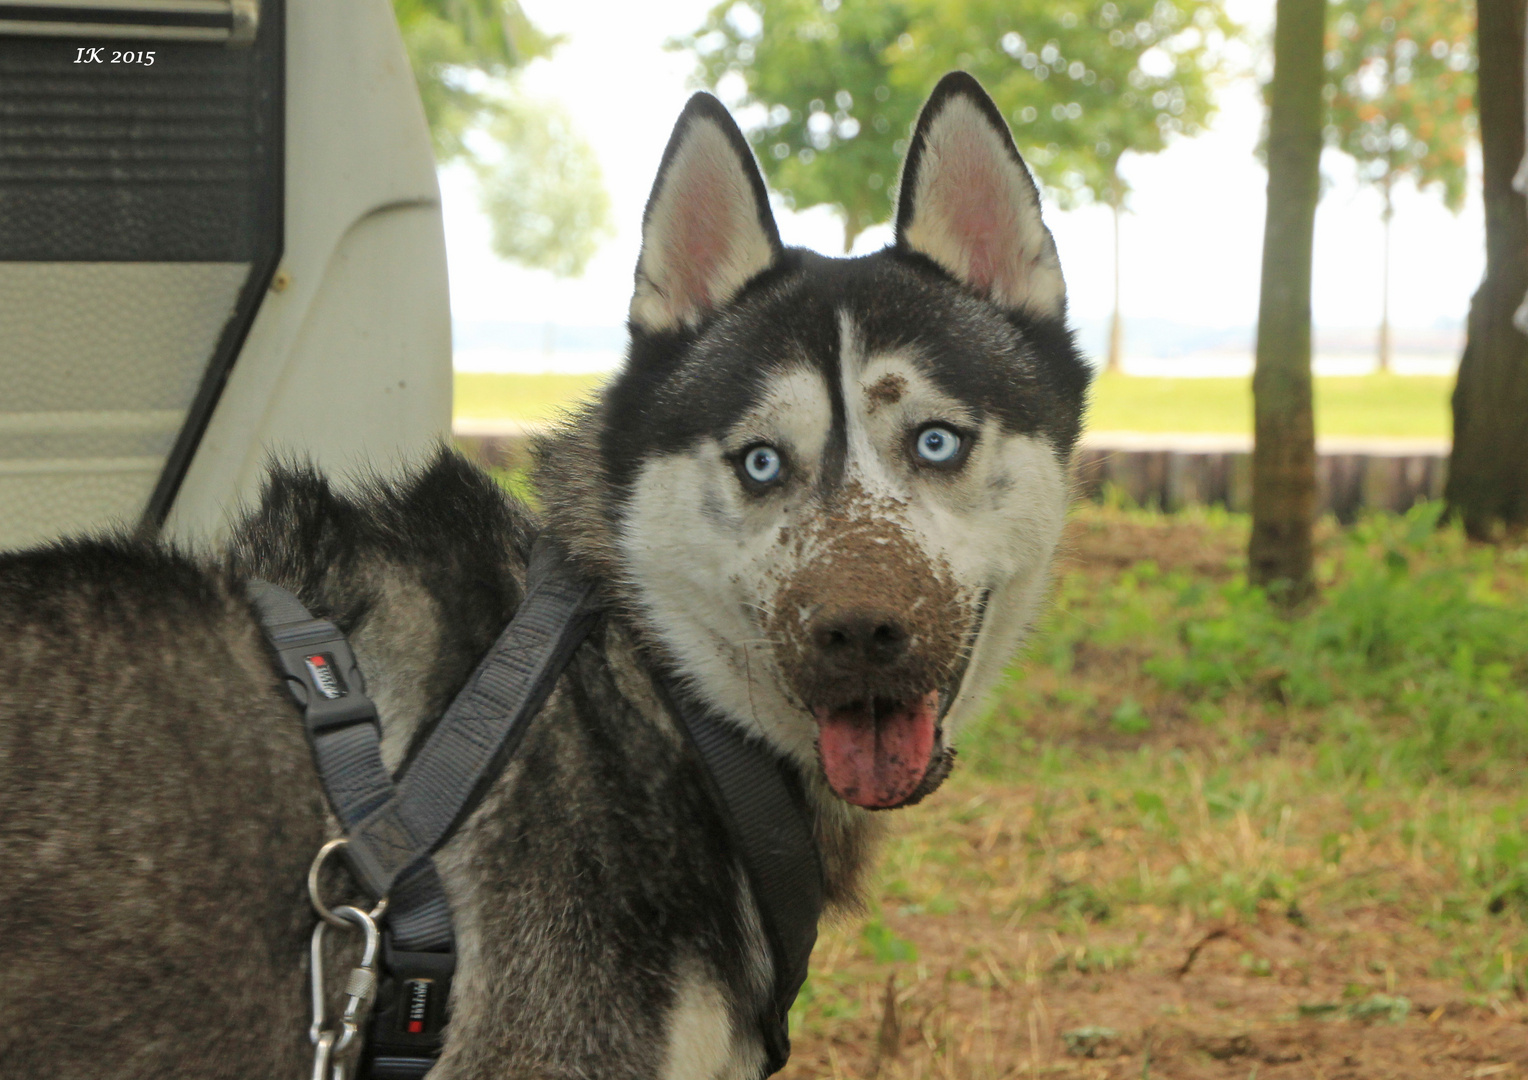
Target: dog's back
[
  {"x": 159, "y": 808},
  {"x": 157, "y": 811}
]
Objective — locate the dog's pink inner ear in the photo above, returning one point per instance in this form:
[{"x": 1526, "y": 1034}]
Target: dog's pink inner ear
[
  {"x": 703, "y": 232},
  {"x": 974, "y": 206},
  {"x": 703, "y": 238},
  {"x": 975, "y": 212}
]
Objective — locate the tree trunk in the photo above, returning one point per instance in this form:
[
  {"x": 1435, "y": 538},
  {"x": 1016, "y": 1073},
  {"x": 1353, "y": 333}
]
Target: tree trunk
[
  {"x": 1284, "y": 447},
  {"x": 1488, "y": 471},
  {"x": 1384, "y": 285},
  {"x": 1116, "y": 325}
]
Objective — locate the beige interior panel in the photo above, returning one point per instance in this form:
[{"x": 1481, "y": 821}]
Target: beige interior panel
[
  {"x": 364, "y": 387},
  {"x": 98, "y": 364},
  {"x": 50, "y": 504}
]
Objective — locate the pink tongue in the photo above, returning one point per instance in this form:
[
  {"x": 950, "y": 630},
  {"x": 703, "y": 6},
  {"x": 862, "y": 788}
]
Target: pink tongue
[{"x": 877, "y": 761}]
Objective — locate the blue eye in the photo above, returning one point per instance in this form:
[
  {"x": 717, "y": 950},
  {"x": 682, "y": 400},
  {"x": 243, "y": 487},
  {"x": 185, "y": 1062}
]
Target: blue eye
[
  {"x": 761, "y": 464},
  {"x": 938, "y": 445}
]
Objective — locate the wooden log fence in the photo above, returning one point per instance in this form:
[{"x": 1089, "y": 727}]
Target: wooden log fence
[
  {"x": 1166, "y": 472},
  {"x": 1169, "y": 472},
  {"x": 500, "y": 445}
]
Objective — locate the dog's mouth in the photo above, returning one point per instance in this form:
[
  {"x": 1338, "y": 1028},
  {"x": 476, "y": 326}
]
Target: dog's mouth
[{"x": 882, "y": 753}]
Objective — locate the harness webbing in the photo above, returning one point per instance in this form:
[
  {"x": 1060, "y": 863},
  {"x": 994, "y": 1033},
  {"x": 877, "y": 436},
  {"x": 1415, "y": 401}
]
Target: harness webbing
[
  {"x": 347, "y": 750},
  {"x": 764, "y": 809},
  {"x": 395, "y": 825},
  {"x": 480, "y": 730}
]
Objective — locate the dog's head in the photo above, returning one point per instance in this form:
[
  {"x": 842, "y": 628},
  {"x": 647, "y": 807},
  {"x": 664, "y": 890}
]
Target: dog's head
[{"x": 829, "y": 489}]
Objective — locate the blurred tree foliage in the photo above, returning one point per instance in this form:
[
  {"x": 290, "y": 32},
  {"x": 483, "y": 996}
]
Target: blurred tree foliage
[
  {"x": 540, "y": 184},
  {"x": 833, "y": 87},
  {"x": 1400, "y": 100},
  {"x": 828, "y": 122},
  {"x": 1081, "y": 83}
]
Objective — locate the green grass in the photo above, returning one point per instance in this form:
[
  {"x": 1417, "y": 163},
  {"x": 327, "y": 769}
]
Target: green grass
[
  {"x": 524, "y": 398},
  {"x": 1415, "y": 659},
  {"x": 1411, "y": 406},
  {"x": 1175, "y": 760},
  {"x": 1369, "y": 405},
  {"x": 1370, "y": 749},
  {"x": 1336, "y": 796}
]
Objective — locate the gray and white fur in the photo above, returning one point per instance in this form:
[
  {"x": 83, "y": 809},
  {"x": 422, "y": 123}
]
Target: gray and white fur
[{"x": 757, "y": 492}]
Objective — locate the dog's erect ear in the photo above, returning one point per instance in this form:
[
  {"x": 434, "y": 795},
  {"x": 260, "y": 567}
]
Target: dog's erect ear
[
  {"x": 967, "y": 201},
  {"x": 707, "y": 229}
]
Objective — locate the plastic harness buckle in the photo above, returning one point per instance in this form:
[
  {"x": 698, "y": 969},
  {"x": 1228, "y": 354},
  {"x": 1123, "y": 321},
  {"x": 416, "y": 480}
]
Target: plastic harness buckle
[
  {"x": 408, "y": 1023},
  {"x": 321, "y": 673}
]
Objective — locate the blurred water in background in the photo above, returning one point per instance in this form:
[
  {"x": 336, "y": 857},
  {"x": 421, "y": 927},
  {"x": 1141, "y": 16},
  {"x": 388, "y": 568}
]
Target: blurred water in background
[
  {"x": 1153, "y": 347},
  {"x": 532, "y": 348}
]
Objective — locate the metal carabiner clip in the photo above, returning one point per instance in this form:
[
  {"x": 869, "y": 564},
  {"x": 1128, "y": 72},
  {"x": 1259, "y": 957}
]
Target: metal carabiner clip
[
  {"x": 361, "y": 986},
  {"x": 316, "y": 988},
  {"x": 360, "y": 992},
  {"x": 323, "y": 1056}
]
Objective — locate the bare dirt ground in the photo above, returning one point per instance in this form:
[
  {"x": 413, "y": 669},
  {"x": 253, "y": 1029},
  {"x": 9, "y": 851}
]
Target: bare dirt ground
[
  {"x": 990, "y": 982},
  {"x": 1310, "y": 1002}
]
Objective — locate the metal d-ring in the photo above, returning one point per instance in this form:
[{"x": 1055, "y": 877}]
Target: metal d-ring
[{"x": 317, "y": 901}]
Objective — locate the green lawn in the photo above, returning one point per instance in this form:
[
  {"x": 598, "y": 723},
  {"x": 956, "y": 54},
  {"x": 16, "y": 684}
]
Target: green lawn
[
  {"x": 1412, "y": 406},
  {"x": 1370, "y": 405},
  {"x": 526, "y": 398}
]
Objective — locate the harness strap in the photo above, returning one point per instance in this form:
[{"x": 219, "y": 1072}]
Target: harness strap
[
  {"x": 480, "y": 730},
  {"x": 764, "y": 810},
  {"x": 321, "y": 672},
  {"x": 394, "y": 825}
]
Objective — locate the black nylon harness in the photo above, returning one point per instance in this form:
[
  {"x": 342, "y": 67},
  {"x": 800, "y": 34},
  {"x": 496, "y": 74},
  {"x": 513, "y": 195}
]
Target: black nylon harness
[{"x": 394, "y": 825}]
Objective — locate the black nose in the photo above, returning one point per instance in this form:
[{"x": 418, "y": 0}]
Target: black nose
[{"x": 860, "y": 639}]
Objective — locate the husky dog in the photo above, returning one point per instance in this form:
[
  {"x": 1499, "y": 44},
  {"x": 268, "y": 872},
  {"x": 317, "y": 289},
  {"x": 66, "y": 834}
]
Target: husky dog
[{"x": 825, "y": 492}]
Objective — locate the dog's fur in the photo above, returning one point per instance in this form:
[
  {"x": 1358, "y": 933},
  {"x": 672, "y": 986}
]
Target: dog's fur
[{"x": 158, "y": 805}]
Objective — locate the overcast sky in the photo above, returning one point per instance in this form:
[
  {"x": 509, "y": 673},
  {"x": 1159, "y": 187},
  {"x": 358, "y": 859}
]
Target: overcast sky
[{"x": 1192, "y": 242}]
